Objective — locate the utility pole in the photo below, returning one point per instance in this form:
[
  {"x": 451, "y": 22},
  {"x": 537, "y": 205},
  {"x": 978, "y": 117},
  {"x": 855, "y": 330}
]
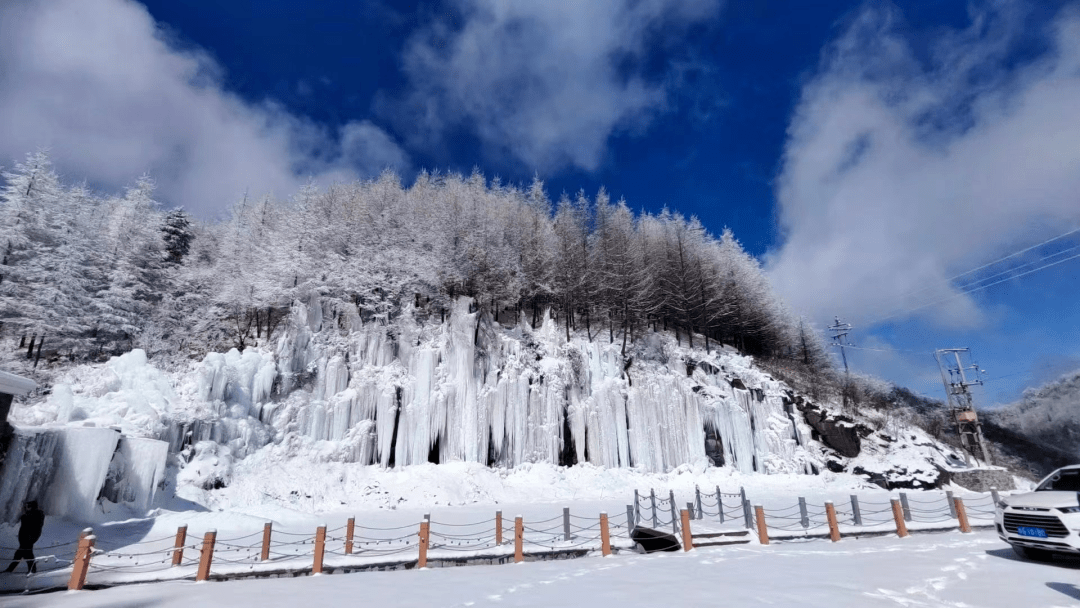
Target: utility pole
[
  {"x": 961, "y": 404},
  {"x": 840, "y": 331}
]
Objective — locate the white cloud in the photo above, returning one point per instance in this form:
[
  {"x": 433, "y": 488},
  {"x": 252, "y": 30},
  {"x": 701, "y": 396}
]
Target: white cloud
[
  {"x": 897, "y": 175},
  {"x": 546, "y": 82},
  {"x": 100, "y": 85}
]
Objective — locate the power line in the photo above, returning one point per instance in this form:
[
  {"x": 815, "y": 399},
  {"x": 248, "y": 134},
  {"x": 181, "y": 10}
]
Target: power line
[
  {"x": 980, "y": 288},
  {"x": 1026, "y": 264},
  {"x": 989, "y": 264},
  {"x": 891, "y": 350}
]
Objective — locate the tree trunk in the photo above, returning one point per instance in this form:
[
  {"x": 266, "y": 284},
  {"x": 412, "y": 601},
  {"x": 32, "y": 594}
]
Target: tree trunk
[{"x": 568, "y": 321}]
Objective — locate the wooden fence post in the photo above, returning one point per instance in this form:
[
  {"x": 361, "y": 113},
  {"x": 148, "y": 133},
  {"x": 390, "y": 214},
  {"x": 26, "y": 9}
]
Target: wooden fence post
[
  {"x": 697, "y": 495},
  {"x": 961, "y": 514},
  {"x": 425, "y": 534},
  {"x": 605, "y": 537},
  {"x": 178, "y": 546},
  {"x": 687, "y": 539},
  {"x": 267, "y": 535},
  {"x": 320, "y": 549},
  {"x": 637, "y": 510},
  {"x": 804, "y": 517},
  {"x": 82, "y": 562},
  {"x": 720, "y": 504},
  {"x": 207, "y": 557},
  {"x": 519, "y": 538},
  {"x": 498, "y": 527},
  {"x": 898, "y": 516},
  {"x": 566, "y": 523},
  {"x": 629, "y": 520},
  {"x": 834, "y": 528},
  {"x": 350, "y": 530},
  {"x": 905, "y": 507},
  {"x": 994, "y": 494},
  {"x": 763, "y": 532},
  {"x": 952, "y": 505}
]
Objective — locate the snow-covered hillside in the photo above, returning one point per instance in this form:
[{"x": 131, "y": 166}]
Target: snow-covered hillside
[
  {"x": 1047, "y": 414},
  {"x": 417, "y": 390}
]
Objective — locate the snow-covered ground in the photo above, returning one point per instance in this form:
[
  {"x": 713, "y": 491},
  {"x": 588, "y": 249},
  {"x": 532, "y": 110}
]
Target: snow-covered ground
[
  {"x": 138, "y": 548},
  {"x": 949, "y": 569}
]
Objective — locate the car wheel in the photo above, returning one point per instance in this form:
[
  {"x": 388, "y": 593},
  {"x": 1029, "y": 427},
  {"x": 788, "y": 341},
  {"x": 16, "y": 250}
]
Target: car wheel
[{"x": 1040, "y": 555}]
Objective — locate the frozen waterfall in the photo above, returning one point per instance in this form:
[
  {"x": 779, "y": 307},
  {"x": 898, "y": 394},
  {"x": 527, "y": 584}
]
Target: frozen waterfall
[{"x": 409, "y": 392}]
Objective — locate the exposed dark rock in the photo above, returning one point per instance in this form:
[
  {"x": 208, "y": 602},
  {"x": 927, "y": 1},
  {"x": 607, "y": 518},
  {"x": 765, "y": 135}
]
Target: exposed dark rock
[
  {"x": 840, "y": 433},
  {"x": 901, "y": 479},
  {"x": 834, "y": 466},
  {"x": 737, "y": 383},
  {"x": 654, "y": 540},
  {"x": 708, "y": 368}
]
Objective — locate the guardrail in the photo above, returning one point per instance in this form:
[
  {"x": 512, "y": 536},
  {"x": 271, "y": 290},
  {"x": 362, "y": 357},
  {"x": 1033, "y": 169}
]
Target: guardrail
[
  {"x": 828, "y": 519},
  {"x": 347, "y": 548},
  {"x": 355, "y": 547}
]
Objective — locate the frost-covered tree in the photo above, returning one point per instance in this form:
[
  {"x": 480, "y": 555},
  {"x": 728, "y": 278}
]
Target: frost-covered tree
[
  {"x": 177, "y": 234},
  {"x": 112, "y": 272},
  {"x": 47, "y": 266}
]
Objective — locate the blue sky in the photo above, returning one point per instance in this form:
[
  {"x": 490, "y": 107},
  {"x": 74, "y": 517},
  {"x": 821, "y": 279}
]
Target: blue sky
[{"x": 863, "y": 151}]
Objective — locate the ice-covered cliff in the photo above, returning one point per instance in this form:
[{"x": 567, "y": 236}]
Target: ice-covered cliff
[
  {"x": 410, "y": 392},
  {"x": 421, "y": 389}
]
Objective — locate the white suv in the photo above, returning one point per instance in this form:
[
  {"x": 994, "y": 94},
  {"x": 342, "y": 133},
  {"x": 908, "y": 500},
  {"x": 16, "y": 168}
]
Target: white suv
[{"x": 1044, "y": 522}]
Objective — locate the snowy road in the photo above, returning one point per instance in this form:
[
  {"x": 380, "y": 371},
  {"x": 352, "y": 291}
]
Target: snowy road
[{"x": 949, "y": 569}]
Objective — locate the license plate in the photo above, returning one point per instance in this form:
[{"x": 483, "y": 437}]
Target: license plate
[{"x": 1036, "y": 532}]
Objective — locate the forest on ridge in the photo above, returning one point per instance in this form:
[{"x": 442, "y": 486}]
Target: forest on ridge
[{"x": 86, "y": 275}]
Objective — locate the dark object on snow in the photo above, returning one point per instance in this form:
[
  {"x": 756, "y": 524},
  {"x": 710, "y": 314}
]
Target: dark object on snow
[
  {"x": 31, "y": 523},
  {"x": 654, "y": 540}
]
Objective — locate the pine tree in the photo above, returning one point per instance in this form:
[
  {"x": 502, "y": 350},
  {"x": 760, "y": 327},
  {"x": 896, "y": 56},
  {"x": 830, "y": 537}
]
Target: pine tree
[{"x": 176, "y": 231}]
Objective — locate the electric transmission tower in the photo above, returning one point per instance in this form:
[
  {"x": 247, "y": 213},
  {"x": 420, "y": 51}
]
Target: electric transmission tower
[
  {"x": 956, "y": 380},
  {"x": 840, "y": 331}
]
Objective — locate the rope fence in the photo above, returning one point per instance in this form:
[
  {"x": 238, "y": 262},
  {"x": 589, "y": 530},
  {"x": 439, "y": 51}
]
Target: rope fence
[{"x": 355, "y": 546}]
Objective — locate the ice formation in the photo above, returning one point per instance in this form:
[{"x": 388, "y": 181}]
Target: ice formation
[
  {"x": 81, "y": 464},
  {"x": 135, "y": 472},
  {"x": 405, "y": 392},
  {"x": 92, "y": 438},
  {"x": 409, "y": 392},
  {"x": 27, "y": 469}
]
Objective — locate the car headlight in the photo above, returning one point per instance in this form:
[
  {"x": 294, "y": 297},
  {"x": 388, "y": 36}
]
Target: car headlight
[{"x": 1069, "y": 509}]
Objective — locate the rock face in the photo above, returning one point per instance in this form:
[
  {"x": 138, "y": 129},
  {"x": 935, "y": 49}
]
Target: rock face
[
  {"x": 981, "y": 480},
  {"x": 923, "y": 477},
  {"x": 839, "y": 433}
]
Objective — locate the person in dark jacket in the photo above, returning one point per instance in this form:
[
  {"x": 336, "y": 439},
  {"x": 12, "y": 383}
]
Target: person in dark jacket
[{"x": 32, "y": 521}]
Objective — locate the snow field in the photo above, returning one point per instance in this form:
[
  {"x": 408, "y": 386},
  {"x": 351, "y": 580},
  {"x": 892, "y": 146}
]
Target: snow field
[
  {"x": 141, "y": 549},
  {"x": 949, "y": 569}
]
